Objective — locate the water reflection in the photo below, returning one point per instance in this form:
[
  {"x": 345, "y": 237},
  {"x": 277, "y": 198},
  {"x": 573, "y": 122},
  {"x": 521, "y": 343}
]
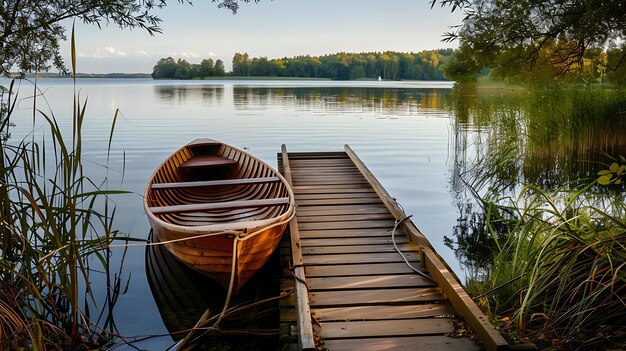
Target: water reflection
[
  {"x": 182, "y": 93},
  {"x": 183, "y": 295},
  {"x": 340, "y": 99},
  {"x": 504, "y": 140}
]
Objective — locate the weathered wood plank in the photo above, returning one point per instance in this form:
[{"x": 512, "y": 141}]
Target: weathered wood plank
[
  {"x": 345, "y": 233},
  {"x": 368, "y": 282},
  {"x": 340, "y": 210},
  {"x": 360, "y": 269},
  {"x": 347, "y": 225},
  {"x": 335, "y": 202},
  {"x": 375, "y": 312},
  {"x": 374, "y": 296},
  {"x": 358, "y": 258},
  {"x": 409, "y": 343},
  {"x": 312, "y": 189},
  {"x": 323, "y": 242},
  {"x": 328, "y": 188},
  {"x": 314, "y": 155},
  {"x": 413, "y": 327},
  {"x": 316, "y": 196},
  {"x": 358, "y": 249},
  {"x": 350, "y": 217},
  {"x": 306, "y": 338}
]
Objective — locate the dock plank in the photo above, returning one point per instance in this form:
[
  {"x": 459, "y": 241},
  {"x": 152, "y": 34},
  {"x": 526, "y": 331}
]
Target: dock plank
[
  {"x": 410, "y": 343},
  {"x": 379, "y": 257},
  {"x": 363, "y": 313},
  {"x": 351, "y": 241},
  {"x": 347, "y": 225},
  {"x": 358, "y": 249},
  {"x": 360, "y": 269},
  {"x": 368, "y": 282},
  {"x": 412, "y": 327},
  {"x": 374, "y": 296}
]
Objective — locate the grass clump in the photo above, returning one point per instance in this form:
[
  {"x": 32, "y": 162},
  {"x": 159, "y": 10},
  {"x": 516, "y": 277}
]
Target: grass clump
[
  {"x": 55, "y": 229},
  {"x": 559, "y": 274}
]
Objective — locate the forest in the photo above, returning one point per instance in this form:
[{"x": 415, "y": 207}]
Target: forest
[{"x": 389, "y": 65}]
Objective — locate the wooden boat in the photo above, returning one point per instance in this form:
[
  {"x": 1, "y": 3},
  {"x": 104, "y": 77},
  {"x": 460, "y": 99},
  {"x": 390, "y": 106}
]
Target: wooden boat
[{"x": 218, "y": 209}]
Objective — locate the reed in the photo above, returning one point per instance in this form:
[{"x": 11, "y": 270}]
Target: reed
[
  {"x": 557, "y": 133},
  {"x": 551, "y": 259},
  {"x": 559, "y": 274},
  {"x": 55, "y": 223}
]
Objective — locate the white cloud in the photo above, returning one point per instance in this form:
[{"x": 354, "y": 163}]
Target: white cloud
[
  {"x": 113, "y": 52},
  {"x": 189, "y": 54},
  {"x": 142, "y": 53}
]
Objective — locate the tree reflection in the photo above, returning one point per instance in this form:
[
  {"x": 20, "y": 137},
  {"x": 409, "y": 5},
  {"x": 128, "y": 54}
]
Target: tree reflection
[{"x": 505, "y": 139}]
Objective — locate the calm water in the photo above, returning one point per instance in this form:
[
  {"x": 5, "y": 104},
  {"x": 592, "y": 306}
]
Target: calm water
[{"x": 400, "y": 130}]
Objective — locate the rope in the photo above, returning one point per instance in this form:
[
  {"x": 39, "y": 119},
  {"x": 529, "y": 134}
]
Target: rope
[
  {"x": 292, "y": 270},
  {"x": 393, "y": 240},
  {"x": 240, "y": 235},
  {"x": 205, "y": 315}
]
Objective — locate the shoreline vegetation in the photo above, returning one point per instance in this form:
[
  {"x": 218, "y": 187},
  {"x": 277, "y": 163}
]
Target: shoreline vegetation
[
  {"x": 56, "y": 232},
  {"x": 388, "y": 65},
  {"x": 543, "y": 239}
]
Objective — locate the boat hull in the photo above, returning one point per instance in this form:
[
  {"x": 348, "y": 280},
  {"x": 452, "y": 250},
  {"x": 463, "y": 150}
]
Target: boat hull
[{"x": 223, "y": 221}]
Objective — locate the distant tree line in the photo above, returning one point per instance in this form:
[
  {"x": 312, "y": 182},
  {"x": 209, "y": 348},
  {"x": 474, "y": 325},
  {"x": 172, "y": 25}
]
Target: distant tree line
[
  {"x": 425, "y": 65},
  {"x": 389, "y": 65},
  {"x": 168, "y": 68}
]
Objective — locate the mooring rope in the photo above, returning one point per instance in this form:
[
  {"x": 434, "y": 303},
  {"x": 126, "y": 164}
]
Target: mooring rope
[
  {"x": 241, "y": 235},
  {"x": 205, "y": 316},
  {"x": 393, "y": 240}
]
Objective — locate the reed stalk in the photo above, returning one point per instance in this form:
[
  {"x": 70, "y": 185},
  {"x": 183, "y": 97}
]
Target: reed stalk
[{"x": 52, "y": 229}]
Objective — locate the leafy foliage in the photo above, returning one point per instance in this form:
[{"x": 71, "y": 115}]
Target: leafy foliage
[
  {"x": 31, "y": 30},
  {"x": 614, "y": 174},
  {"x": 389, "y": 65},
  {"x": 425, "y": 65},
  {"x": 168, "y": 68},
  {"x": 523, "y": 34}
]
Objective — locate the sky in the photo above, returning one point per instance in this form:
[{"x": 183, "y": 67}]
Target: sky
[{"x": 274, "y": 29}]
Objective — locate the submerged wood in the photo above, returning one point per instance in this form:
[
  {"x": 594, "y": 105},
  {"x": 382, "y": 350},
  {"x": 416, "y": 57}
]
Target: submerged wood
[{"x": 227, "y": 205}]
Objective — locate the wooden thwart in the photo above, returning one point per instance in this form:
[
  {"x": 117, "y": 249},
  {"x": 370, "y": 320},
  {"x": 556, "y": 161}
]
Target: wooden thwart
[
  {"x": 210, "y": 183},
  {"x": 215, "y": 206},
  {"x": 205, "y": 161}
]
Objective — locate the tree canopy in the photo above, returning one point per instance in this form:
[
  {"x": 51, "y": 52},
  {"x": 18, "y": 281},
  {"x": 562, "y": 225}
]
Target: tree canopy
[
  {"x": 31, "y": 30},
  {"x": 523, "y": 33},
  {"x": 390, "y": 65}
]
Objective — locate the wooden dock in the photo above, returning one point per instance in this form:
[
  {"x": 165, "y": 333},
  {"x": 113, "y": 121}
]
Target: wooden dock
[{"x": 353, "y": 290}]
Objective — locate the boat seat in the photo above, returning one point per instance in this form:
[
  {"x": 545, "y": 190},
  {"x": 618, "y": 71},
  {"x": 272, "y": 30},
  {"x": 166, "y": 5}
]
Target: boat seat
[
  {"x": 215, "y": 206},
  {"x": 208, "y": 161},
  {"x": 209, "y": 183}
]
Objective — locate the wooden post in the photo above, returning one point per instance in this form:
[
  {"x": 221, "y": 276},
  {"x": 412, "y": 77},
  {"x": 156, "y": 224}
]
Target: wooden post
[{"x": 303, "y": 309}]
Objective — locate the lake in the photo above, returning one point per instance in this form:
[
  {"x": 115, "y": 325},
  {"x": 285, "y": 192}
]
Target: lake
[{"x": 406, "y": 133}]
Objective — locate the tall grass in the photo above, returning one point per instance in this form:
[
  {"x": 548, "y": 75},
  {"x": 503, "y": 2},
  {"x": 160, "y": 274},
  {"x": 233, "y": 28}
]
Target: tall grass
[
  {"x": 559, "y": 275},
  {"x": 55, "y": 223},
  {"x": 556, "y": 134},
  {"x": 545, "y": 249}
]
